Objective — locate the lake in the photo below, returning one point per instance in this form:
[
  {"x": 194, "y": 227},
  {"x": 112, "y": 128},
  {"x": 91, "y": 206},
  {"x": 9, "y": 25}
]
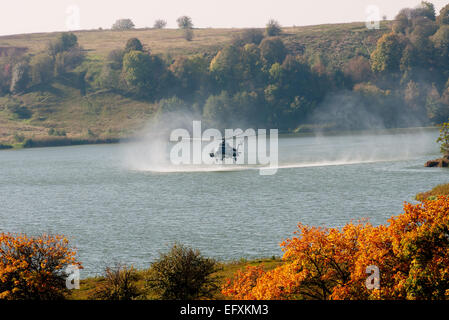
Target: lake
[{"x": 115, "y": 207}]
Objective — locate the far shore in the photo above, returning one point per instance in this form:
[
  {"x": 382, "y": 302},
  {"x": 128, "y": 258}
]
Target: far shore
[{"x": 303, "y": 132}]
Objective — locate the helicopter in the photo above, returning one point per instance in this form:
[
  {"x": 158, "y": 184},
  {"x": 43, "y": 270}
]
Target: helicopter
[{"x": 224, "y": 150}]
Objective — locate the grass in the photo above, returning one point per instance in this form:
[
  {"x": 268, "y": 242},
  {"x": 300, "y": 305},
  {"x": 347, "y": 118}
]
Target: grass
[
  {"x": 171, "y": 42},
  {"x": 440, "y": 190},
  {"x": 225, "y": 271}
]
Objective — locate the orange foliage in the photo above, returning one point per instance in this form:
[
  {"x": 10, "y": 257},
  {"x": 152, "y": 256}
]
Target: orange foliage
[
  {"x": 34, "y": 267},
  {"x": 411, "y": 252}
]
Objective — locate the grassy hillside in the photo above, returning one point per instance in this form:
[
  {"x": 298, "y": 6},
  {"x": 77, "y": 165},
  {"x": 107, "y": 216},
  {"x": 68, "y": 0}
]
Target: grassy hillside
[
  {"x": 341, "y": 39},
  {"x": 104, "y": 114}
]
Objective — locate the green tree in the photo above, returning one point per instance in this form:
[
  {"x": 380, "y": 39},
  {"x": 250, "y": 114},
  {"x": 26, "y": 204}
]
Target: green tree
[
  {"x": 20, "y": 77},
  {"x": 64, "y": 42},
  {"x": 123, "y": 24},
  {"x": 254, "y": 36},
  {"x": 42, "y": 69},
  {"x": 145, "y": 74},
  {"x": 443, "y": 18},
  {"x": 133, "y": 44},
  {"x": 272, "y": 50},
  {"x": 136, "y": 69},
  {"x": 225, "y": 67},
  {"x": 441, "y": 42},
  {"x": 401, "y": 23},
  {"x": 426, "y": 9},
  {"x": 218, "y": 110},
  {"x": 387, "y": 56},
  {"x": 115, "y": 59},
  {"x": 171, "y": 105},
  {"x": 185, "y": 22},
  {"x": 190, "y": 73},
  {"x": 182, "y": 274}
]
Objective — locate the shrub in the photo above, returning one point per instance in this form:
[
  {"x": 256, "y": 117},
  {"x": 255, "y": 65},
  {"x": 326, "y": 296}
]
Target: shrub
[
  {"x": 182, "y": 274},
  {"x": 188, "y": 34},
  {"x": 33, "y": 268},
  {"x": 439, "y": 190},
  {"x": 119, "y": 284}
]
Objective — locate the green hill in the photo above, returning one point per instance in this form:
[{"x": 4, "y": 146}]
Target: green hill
[{"x": 106, "y": 114}]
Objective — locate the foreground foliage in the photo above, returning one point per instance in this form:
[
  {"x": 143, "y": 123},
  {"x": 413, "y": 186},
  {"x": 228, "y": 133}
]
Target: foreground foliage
[
  {"x": 182, "y": 274},
  {"x": 119, "y": 284},
  {"x": 33, "y": 268},
  {"x": 411, "y": 252}
]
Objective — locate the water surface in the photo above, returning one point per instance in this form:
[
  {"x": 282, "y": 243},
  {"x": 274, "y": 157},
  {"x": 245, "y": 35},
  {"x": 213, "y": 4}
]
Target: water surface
[{"x": 115, "y": 209}]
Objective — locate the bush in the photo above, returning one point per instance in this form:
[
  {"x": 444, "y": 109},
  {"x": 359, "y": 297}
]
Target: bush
[
  {"x": 188, "y": 34},
  {"x": 33, "y": 268},
  {"x": 182, "y": 274},
  {"x": 119, "y": 284}
]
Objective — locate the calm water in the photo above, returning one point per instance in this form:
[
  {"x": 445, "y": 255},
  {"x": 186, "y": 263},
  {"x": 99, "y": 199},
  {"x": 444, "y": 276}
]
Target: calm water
[{"x": 114, "y": 208}]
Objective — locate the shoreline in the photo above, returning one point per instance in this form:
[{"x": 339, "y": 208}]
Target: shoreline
[{"x": 306, "y": 132}]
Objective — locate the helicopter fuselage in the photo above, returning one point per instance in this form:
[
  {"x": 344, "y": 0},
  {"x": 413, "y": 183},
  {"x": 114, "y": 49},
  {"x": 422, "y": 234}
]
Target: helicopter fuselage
[{"x": 223, "y": 151}]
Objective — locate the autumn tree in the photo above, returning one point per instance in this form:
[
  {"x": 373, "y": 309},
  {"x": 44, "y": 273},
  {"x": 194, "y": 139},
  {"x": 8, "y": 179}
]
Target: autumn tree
[
  {"x": 34, "y": 268},
  {"x": 411, "y": 253}
]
